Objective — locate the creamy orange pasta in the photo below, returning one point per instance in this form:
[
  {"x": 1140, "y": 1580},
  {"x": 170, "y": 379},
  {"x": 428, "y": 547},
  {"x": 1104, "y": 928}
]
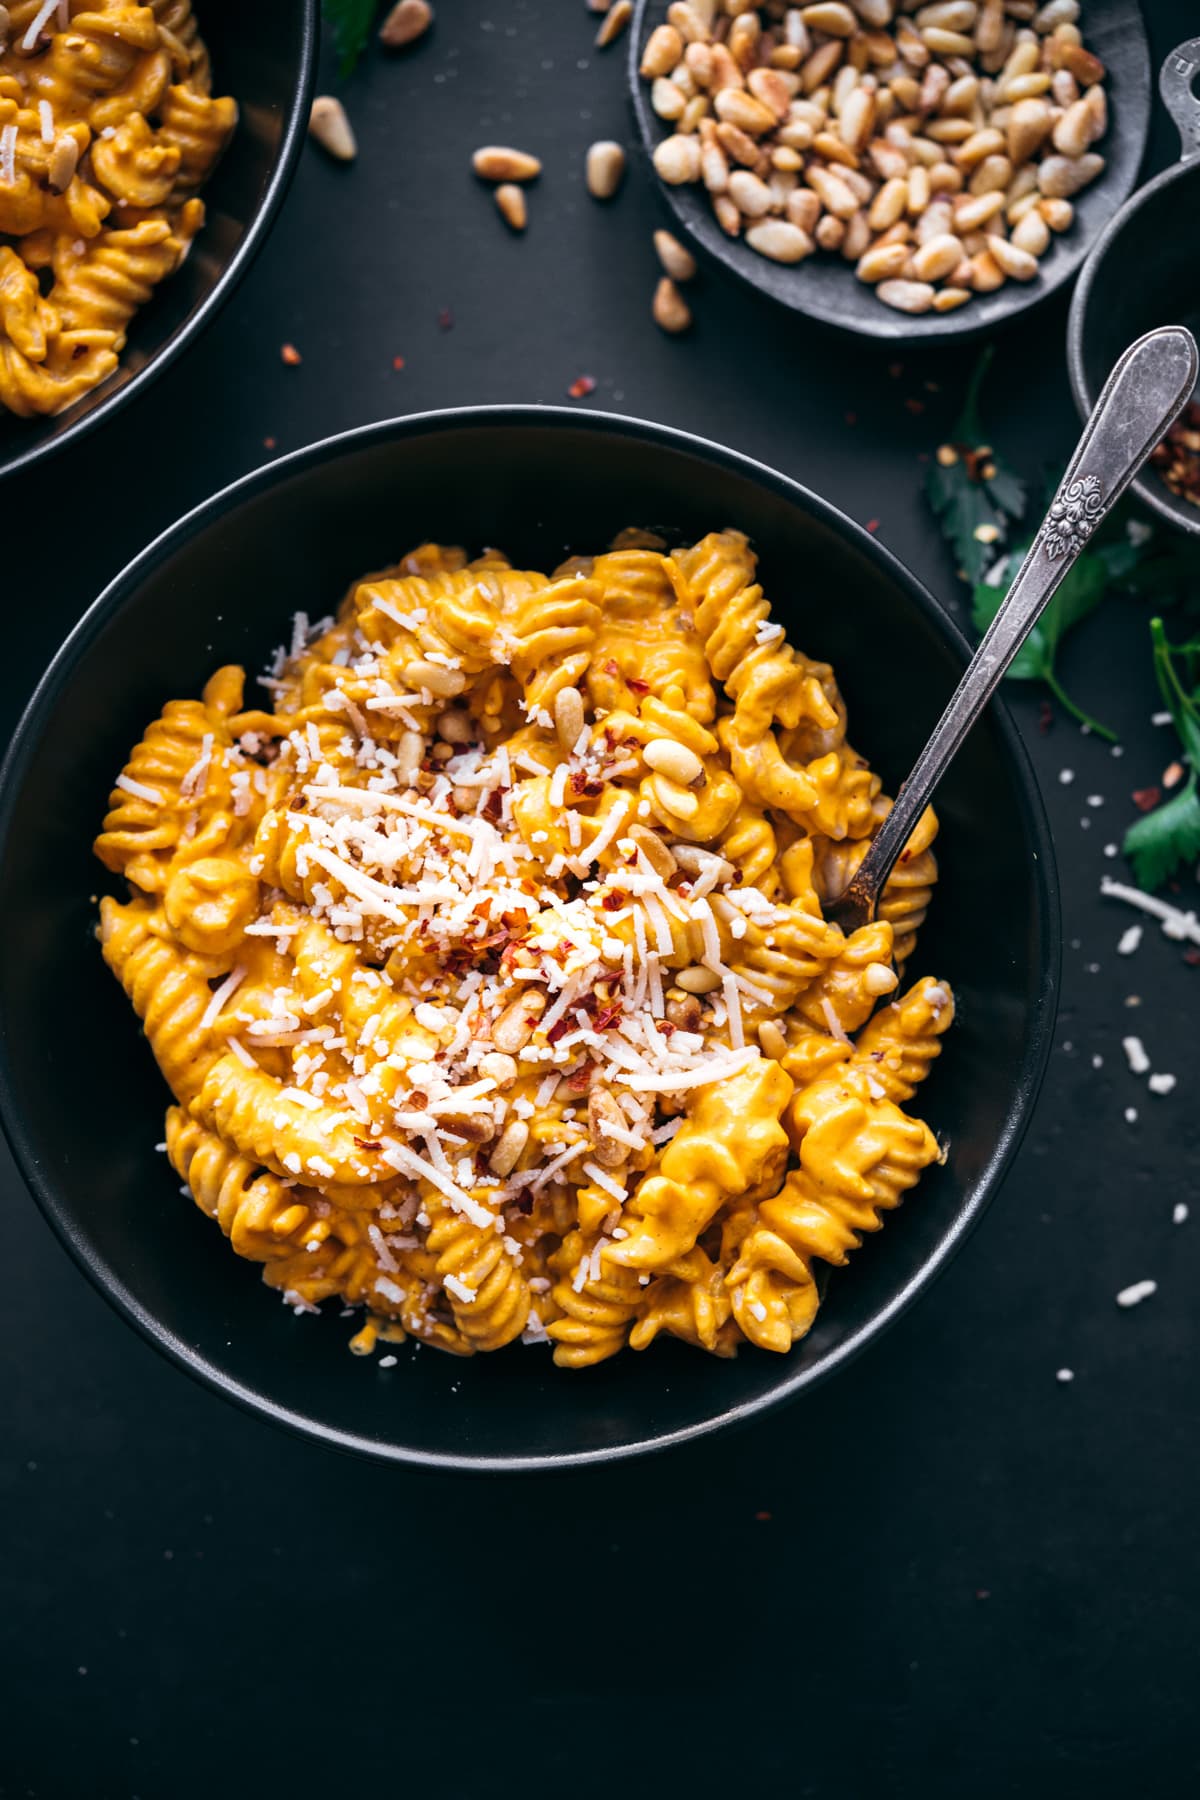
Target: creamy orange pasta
[
  {"x": 108, "y": 129},
  {"x": 486, "y": 960}
]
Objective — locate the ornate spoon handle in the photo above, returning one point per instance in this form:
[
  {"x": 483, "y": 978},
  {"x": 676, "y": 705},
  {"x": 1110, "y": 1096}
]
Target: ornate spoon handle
[{"x": 1143, "y": 396}]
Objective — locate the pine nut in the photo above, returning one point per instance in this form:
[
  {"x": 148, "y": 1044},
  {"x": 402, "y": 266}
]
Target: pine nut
[
  {"x": 803, "y": 210},
  {"x": 948, "y": 15},
  {"x": 937, "y": 258},
  {"x": 693, "y": 112},
  {"x": 436, "y": 678},
  {"x": 727, "y": 215},
  {"x": 936, "y": 221},
  {"x": 514, "y": 1027},
  {"x": 1086, "y": 68},
  {"x": 605, "y": 169},
  {"x": 879, "y": 979},
  {"x": 772, "y": 1040},
  {"x": 409, "y": 753},
  {"x": 697, "y": 980},
  {"x": 947, "y": 43},
  {"x": 406, "y": 22},
  {"x": 990, "y": 29},
  {"x": 781, "y": 241},
  {"x": 677, "y": 160},
  {"x": 743, "y": 110},
  {"x": 986, "y": 273},
  {"x": 829, "y": 16},
  {"x": 830, "y": 232},
  {"x": 1017, "y": 263},
  {"x": 508, "y": 1151},
  {"x": 833, "y": 193},
  {"x": 961, "y": 95},
  {"x": 1024, "y": 87},
  {"x": 714, "y": 169},
  {"x": 751, "y": 196},
  {"x": 686, "y": 1013},
  {"x": 614, "y": 23},
  {"x": 695, "y": 860},
  {"x": 568, "y": 717},
  {"x": 1058, "y": 12},
  {"x": 769, "y": 86},
  {"x": 857, "y": 238},
  {"x": 1058, "y": 213},
  {"x": 993, "y": 174},
  {"x": 674, "y": 760},
  {"x": 667, "y": 100},
  {"x": 327, "y": 123},
  {"x": 603, "y": 1113},
  {"x": 497, "y": 1067},
  {"x": 947, "y": 298},
  {"x": 979, "y": 145},
  {"x": 496, "y": 162},
  {"x": 687, "y": 22},
  {"x": 456, "y": 727},
  {"x": 664, "y": 48},
  {"x": 654, "y": 850},
  {"x": 511, "y": 201},
  {"x": 970, "y": 214},
  {"x": 1061, "y": 176},
  {"x": 1029, "y": 125},
  {"x": 678, "y": 263},
  {"x": 669, "y": 309},
  {"x": 64, "y": 158},
  {"x": 1031, "y": 233},
  {"x": 906, "y": 296},
  {"x": 1073, "y": 132},
  {"x": 888, "y": 205},
  {"x": 856, "y": 119}
]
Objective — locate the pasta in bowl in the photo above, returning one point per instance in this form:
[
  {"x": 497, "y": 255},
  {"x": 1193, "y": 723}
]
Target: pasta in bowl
[
  {"x": 82, "y": 1100},
  {"x": 487, "y": 964}
]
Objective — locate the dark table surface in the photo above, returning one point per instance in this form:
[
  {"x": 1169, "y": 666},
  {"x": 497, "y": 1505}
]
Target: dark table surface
[{"x": 946, "y": 1572}]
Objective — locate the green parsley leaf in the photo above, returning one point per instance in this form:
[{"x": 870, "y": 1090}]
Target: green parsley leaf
[
  {"x": 1170, "y": 835},
  {"x": 972, "y": 490},
  {"x": 1083, "y": 587},
  {"x": 351, "y": 22}
]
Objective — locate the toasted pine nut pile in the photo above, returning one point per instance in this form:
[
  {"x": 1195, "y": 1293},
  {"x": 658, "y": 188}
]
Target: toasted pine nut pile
[{"x": 934, "y": 147}]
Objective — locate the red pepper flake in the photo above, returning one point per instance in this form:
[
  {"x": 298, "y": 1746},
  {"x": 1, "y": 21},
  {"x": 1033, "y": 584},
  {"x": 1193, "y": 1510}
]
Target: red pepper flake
[
  {"x": 610, "y": 667},
  {"x": 636, "y": 685},
  {"x": 493, "y": 805},
  {"x": 1045, "y": 717},
  {"x": 607, "y": 1016},
  {"x": 763, "y": 1517},
  {"x": 368, "y": 1143},
  {"x": 269, "y": 443},
  {"x": 397, "y": 362},
  {"x": 1192, "y": 958},
  {"x": 983, "y": 1593},
  {"x": 559, "y": 1029},
  {"x": 872, "y": 526},
  {"x": 582, "y": 386},
  {"x": 895, "y": 370},
  {"x": 445, "y": 319},
  {"x": 915, "y": 406},
  {"x": 1146, "y": 799},
  {"x": 612, "y": 902},
  {"x": 291, "y": 356}
]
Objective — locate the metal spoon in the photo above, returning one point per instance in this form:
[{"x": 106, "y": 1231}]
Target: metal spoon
[{"x": 1142, "y": 398}]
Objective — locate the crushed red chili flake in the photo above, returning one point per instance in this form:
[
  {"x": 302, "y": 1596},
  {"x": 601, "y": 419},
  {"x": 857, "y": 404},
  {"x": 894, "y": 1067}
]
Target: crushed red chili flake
[
  {"x": 397, "y": 362},
  {"x": 762, "y": 1516},
  {"x": 368, "y": 1143},
  {"x": 582, "y": 386},
  {"x": 559, "y": 1029},
  {"x": 872, "y": 526},
  {"x": 445, "y": 319},
  {"x": 582, "y": 783},
  {"x": 493, "y": 805},
  {"x": 1192, "y": 958},
  {"x": 612, "y": 902},
  {"x": 1045, "y": 717},
  {"x": 636, "y": 685},
  {"x": 915, "y": 406},
  {"x": 291, "y": 356},
  {"x": 895, "y": 370},
  {"x": 269, "y": 443},
  {"x": 1146, "y": 799},
  {"x": 610, "y": 667},
  {"x": 607, "y": 1016}
]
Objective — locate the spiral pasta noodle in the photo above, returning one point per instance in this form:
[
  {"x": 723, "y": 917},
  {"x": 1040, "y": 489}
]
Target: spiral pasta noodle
[{"x": 486, "y": 960}]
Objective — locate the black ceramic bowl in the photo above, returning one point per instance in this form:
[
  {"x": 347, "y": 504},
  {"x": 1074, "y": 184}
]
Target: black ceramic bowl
[
  {"x": 824, "y": 287},
  {"x": 83, "y": 1103},
  {"x": 265, "y": 56},
  {"x": 1145, "y": 271}
]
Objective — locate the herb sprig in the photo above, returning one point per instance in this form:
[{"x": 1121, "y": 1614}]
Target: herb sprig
[
  {"x": 1170, "y": 835},
  {"x": 972, "y": 491},
  {"x": 350, "y": 21}
]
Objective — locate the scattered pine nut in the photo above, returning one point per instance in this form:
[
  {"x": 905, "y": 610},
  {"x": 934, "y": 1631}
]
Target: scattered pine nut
[
  {"x": 678, "y": 263},
  {"x": 511, "y": 201},
  {"x": 290, "y": 355},
  {"x": 496, "y": 162},
  {"x": 407, "y": 21},
  {"x": 328, "y": 124},
  {"x": 614, "y": 23},
  {"x": 605, "y": 169}
]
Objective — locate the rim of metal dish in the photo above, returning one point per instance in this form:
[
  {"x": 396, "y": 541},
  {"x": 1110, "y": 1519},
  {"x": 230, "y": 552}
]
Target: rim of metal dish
[
  {"x": 1150, "y": 491},
  {"x": 1028, "y": 1077},
  {"x": 294, "y": 132},
  {"x": 900, "y": 330}
]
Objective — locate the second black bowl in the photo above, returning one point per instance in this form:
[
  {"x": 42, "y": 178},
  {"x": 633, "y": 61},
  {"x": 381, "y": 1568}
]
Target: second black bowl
[
  {"x": 265, "y": 56},
  {"x": 83, "y": 1103}
]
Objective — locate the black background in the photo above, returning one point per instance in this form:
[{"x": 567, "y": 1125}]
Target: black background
[{"x": 944, "y": 1573}]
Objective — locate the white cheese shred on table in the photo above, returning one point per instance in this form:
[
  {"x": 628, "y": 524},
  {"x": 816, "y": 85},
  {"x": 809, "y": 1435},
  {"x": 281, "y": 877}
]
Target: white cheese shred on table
[
  {"x": 1182, "y": 927},
  {"x": 1136, "y": 1292}
]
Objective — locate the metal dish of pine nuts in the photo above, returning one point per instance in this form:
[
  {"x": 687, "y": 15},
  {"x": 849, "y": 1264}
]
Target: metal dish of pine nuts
[{"x": 896, "y": 168}]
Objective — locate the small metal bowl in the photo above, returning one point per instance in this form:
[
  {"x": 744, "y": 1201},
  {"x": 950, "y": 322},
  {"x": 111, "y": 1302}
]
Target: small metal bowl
[
  {"x": 268, "y": 65},
  {"x": 1145, "y": 271},
  {"x": 824, "y": 287}
]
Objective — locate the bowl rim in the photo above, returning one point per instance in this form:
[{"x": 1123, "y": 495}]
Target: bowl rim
[
  {"x": 36, "y": 717},
  {"x": 899, "y": 330},
  {"x": 1150, "y": 491},
  {"x": 295, "y": 129}
]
